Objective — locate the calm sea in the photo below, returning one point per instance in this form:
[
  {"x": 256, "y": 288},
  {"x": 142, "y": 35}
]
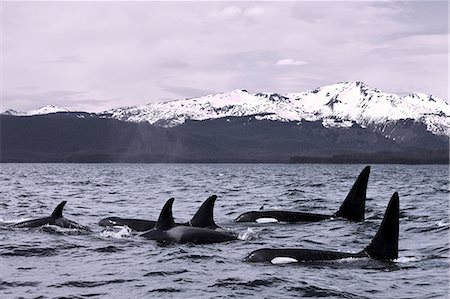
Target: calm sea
[{"x": 51, "y": 262}]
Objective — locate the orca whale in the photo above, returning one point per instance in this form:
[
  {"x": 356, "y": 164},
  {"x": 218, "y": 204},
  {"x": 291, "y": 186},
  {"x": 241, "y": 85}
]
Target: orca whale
[
  {"x": 203, "y": 218},
  {"x": 166, "y": 230},
  {"x": 135, "y": 224},
  {"x": 352, "y": 208},
  {"x": 56, "y": 218},
  {"x": 384, "y": 245}
]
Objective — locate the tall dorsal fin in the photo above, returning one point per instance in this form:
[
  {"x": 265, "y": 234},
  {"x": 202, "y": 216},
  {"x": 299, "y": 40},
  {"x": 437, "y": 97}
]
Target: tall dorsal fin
[
  {"x": 57, "y": 212},
  {"x": 205, "y": 214},
  {"x": 355, "y": 203},
  {"x": 385, "y": 243},
  {"x": 165, "y": 220}
]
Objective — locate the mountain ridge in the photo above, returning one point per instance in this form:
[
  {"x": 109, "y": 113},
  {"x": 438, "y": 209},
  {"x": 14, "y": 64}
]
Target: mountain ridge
[{"x": 337, "y": 105}]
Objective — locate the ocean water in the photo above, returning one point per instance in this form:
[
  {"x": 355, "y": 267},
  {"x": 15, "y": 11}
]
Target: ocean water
[{"x": 115, "y": 263}]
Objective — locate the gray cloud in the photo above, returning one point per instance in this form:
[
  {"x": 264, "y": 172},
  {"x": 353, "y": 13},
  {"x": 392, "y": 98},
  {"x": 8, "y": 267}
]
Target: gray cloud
[{"x": 127, "y": 53}]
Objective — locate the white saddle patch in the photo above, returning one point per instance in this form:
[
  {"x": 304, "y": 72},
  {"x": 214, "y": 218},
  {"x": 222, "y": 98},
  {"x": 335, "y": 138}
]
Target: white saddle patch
[
  {"x": 266, "y": 220},
  {"x": 283, "y": 260}
]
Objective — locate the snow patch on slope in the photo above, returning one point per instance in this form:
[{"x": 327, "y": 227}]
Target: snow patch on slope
[{"x": 47, "y": 109}]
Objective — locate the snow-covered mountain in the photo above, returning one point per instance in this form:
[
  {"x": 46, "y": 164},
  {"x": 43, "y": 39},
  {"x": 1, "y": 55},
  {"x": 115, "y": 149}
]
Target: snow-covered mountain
[
  {"x": 43, "y": 110},
  {"x": 336, "y": 105}
]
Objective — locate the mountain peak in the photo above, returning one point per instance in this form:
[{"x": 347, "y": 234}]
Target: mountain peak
[{"x": 47, "y": 109}]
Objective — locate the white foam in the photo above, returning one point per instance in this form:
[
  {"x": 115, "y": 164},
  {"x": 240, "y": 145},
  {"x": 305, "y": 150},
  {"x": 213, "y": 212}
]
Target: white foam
[
  {"x": 347, "y": 259},
  {"x": 283, "y": 260},
  {"x": 249, "y": 234},
  {"x": 407, "y": 259},
  {"x": 442, "y": 223},
  {"x": 124, "y": 232},
  {"x": 266, "y": 220},
  {"x": 60, "y": 230}
]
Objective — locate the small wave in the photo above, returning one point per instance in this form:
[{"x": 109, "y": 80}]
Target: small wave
[
  {"x": 408, "y": 259},
  {"x": 165, "y": 290},
  {"x": 101, "y": 185},
  {"x": 316, "y": 185},
  {"x": 124, "y": 232},
  {"x": 108, "y": 249},
  {"x": 315, "y": 292},
  {"x": 13, "y": 284},
  {"x": 442, "y": 223},
  {"x": 292, "y": 192},
  {"x": 249, "y": 234},
  {"x": 200, "y": 257},
  {"x": 443, "y": 190},
  {"x": 90, "y": 284},
  {"x": 80, "y": 183},
  {"x": 165, "y": 273},
  {"x": 236, "y": 283},
  {"x": 437, "y": 227},
  {"x": 31, "y": 251}
]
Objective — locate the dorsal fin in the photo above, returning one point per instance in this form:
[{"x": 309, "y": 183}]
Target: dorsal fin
[
  {"x": 385, "y": 243},
  {"x": 57, "y": 212},
  {"x": 355, "y": 203},
  {"x": 165, "y": 220},
  {"x": 205, "y": 214}
]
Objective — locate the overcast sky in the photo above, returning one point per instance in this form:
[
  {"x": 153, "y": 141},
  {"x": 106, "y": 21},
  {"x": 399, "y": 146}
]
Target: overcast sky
[{"x": 94, "y": 56}]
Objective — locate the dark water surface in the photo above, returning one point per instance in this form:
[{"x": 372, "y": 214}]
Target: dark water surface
[{"x": 51, "y": 262}]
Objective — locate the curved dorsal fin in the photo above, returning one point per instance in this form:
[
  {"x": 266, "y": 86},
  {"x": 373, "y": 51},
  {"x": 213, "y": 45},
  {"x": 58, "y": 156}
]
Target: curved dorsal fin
[
  {"x": 165, "y": 220},
  {"x": 385, "y": 243},
  {"x": 57, "y": 212},
  {"x": 205, "y": 214},
  {"x": 355, "y": 203}
]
